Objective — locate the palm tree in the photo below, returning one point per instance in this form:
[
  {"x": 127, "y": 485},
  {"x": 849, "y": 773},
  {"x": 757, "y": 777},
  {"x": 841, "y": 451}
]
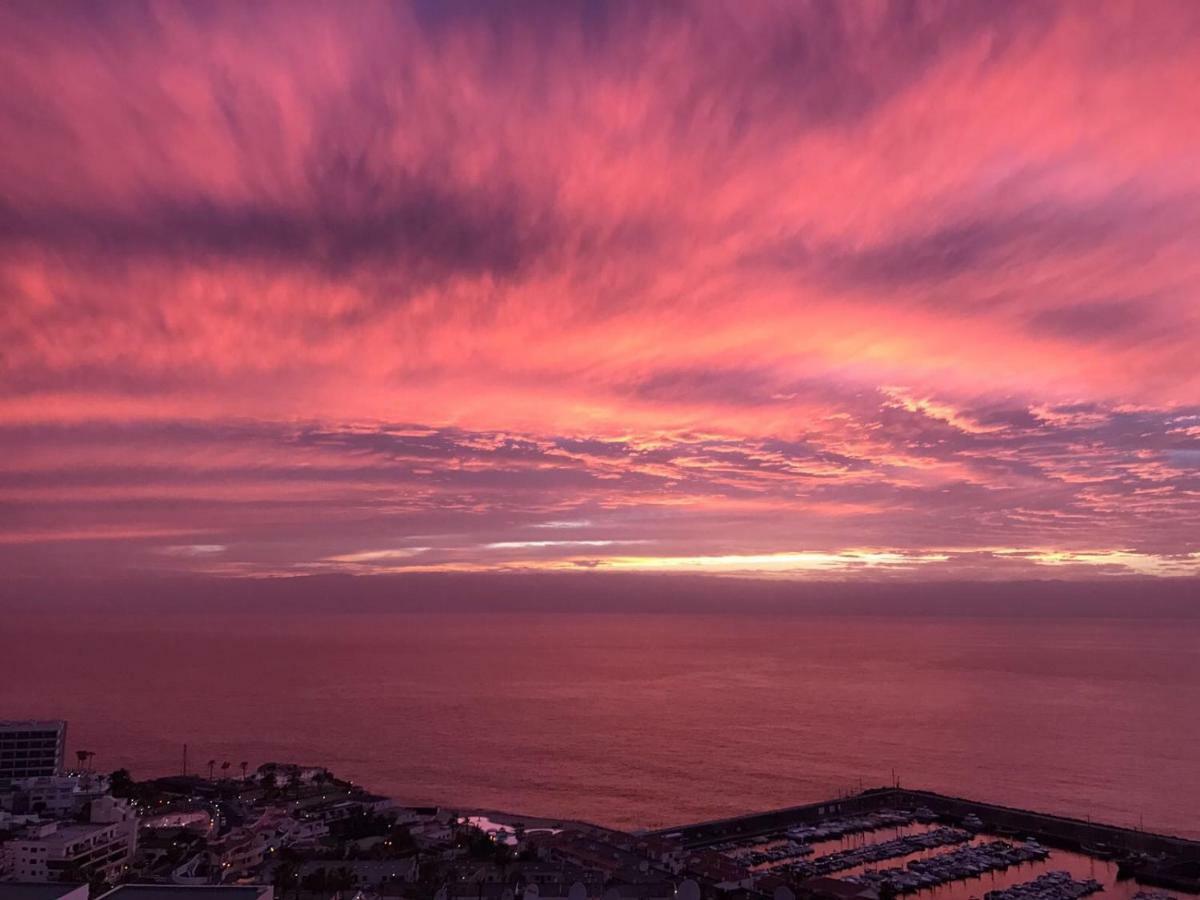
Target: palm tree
[
  {"x": 245, "y": 765},
  {"x": 85, "y": 756},
  {"x": 224, "y": 771},
  {"x": 212, "y": 764}
]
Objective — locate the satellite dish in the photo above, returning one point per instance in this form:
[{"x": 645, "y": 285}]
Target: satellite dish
[{"x": 688, "y": 890}]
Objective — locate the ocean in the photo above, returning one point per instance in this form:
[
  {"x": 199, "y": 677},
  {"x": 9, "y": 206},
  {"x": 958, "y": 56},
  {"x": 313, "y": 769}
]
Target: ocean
[{"x": 637, "y": 719}]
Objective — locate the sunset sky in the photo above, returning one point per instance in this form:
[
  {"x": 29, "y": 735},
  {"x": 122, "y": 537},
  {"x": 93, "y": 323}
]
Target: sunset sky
[{"x": 866, "y": 290}]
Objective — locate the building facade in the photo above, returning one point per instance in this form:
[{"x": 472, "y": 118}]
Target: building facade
[
  {"x": 55, "y": 851},
  {"x": 51, "y": 796},
  {"x": 32, "y": 749}
]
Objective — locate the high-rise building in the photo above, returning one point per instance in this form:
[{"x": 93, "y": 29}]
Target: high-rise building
[{"x": 32, "y": 749}]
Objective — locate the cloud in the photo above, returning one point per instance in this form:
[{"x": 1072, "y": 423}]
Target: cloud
[
  {"x": 416, "y": 224},
  {"x": 793, "y": 282},
  {"x": 194, "y": 550}
]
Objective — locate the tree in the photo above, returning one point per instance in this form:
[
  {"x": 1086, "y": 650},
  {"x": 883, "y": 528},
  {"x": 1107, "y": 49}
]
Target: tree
[
  {"x": 287, "y": 872},
  {"x": 399, "y": 840},
  {"x": 315, "y": 881},
  {"x": 84, "y": 756},
  {"x": 121, "y": 783},
  {"x": 244, "y": 767},
  {"x": 341, "y": 879},
  {"x": 479, "y": 844},
  {"x": 77, "y": 874},
  {"x": 224, "y": 771},
  {"x": 212, "y": 764},
  {"x": 286, "y": 876}
]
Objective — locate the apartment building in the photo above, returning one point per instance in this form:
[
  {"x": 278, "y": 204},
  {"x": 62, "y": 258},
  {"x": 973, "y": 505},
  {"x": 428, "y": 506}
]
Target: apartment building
[{"x": 32, "y": 749}]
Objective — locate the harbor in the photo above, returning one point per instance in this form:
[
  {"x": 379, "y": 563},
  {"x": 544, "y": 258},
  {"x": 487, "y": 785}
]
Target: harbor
[{"x": 893, "y": 842}]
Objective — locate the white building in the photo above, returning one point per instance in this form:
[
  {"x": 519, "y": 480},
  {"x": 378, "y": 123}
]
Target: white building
[
  {"x": 103, "y": 847},
  {"x": 52, "y": 796},
  {"x": 245, "y": 849}
]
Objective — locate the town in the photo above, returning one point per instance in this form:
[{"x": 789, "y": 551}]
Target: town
[{"x": 286, "y": 831}]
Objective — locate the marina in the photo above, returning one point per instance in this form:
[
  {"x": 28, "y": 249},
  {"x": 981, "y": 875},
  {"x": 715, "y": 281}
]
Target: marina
[
  {"x": 1056, "y": 885},
  {"x": 840, "y": 827},
  {"x": 893, "y": 842},
  {"x": 955, "y": 865},
  {"x": 877, "y": 852},
  {"x": 827, "y": 839}
]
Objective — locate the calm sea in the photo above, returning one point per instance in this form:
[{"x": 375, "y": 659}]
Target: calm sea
[{"x": 641, "y": 719}]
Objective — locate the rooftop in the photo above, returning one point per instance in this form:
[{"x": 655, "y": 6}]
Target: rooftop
[
  {"x": 40, "y": 890},
  {"x": 63, "y": 831},
  {"x": 32, "y": 724},
  {"x": 190, "y": 892}
]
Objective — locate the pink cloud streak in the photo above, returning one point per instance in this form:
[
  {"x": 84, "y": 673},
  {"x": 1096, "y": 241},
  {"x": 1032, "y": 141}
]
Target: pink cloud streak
[{"x": 756, "y": 285}]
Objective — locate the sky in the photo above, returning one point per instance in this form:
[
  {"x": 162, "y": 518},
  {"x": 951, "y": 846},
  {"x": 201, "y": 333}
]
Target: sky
[{"x": 800, "y": 290}]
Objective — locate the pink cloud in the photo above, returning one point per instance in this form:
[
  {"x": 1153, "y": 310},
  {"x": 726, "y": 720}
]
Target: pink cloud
[{"x": 740, "y": 282}]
